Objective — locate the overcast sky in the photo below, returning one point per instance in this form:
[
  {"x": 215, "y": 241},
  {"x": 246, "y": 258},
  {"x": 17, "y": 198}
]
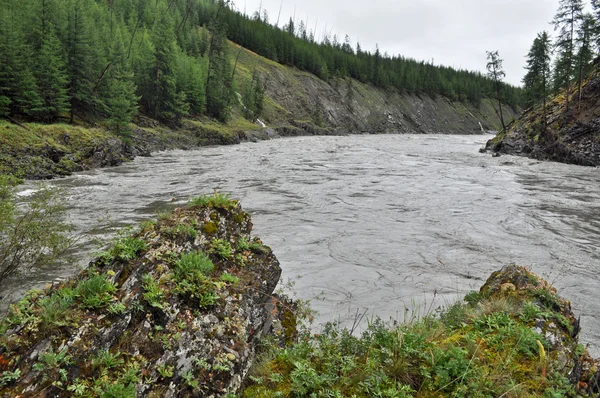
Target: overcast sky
[{"x": 451, "y": 32}]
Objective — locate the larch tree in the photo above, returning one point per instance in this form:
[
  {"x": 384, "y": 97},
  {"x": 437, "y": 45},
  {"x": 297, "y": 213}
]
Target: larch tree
[
  {"x": 566, "y": 21},
  {"x": 497, "y": 74},
  {"x": 586, "y": 38}
]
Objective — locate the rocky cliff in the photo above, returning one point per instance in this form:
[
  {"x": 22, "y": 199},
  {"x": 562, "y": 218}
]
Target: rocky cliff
[{"x": 571, "y": 136}]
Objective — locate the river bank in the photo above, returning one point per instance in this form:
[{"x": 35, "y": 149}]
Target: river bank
[{"x": 571, "y": 136}]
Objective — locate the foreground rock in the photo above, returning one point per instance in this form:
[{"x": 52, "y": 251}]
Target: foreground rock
[
  {"x": 173, "y": 311},
  {"x": 571, "y": 137}
]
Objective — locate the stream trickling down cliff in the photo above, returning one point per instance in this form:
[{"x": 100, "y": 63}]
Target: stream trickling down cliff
[{"x": 384, "y": 223}]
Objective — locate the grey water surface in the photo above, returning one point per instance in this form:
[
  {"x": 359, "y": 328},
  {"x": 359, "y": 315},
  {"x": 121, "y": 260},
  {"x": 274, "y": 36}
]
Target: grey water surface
[{"x": 392, "y": 224}]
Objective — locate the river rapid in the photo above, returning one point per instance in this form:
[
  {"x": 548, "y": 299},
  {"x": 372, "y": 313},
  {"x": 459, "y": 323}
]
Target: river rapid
[{"x": 393, "y": 225}]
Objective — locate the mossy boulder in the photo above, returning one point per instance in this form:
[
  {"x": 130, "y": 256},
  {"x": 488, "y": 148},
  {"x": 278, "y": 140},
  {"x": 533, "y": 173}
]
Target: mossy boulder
[{"x": 168, "y": 311}]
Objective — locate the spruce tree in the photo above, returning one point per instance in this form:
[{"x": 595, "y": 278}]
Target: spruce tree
[
  {"x": 161, "y": 98},
  {"x": 219, "y": 83},
  {"x": 52, "y": 78},
  {"x": 80, "y": 59}
]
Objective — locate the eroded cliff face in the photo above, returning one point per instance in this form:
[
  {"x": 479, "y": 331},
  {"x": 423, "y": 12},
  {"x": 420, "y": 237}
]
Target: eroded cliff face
[
  {"x": 571, "y": 136},
  {"x": 174, "y": 310},
  {"x": 297, "y": 99}
]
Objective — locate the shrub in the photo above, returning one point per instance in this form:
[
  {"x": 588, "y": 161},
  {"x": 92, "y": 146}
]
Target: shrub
[{"x": 36, "y": 235}]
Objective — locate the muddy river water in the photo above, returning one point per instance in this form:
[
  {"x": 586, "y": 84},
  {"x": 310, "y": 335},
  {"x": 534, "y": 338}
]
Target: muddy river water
[{"x": 386, "y": 224}]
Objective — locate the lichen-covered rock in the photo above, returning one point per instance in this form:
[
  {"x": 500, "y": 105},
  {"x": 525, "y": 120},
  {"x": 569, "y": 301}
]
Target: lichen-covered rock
[
  {"x": 174, "y": 310},
  {"x": 552, "y": 318}
]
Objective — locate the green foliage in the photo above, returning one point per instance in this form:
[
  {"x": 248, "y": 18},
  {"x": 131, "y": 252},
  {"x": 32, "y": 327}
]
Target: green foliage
[
  {"x": 95, "y": 292},
  {"x": 55, "y": 311},
  {"x": 35, "y": 235},
  {"x": 93, "y": 60},
  {"x": 189, "y": 379},
  {"x": 481, "y": 349},
  {"x": 192, "y": 272},
  {"x": 165, "y": 371},
  {"x": 192, "y": 266},
  {"x": 104, "y": 360},
  {"x": 227, "y": 278},
  {"x": 52, "y": 360},
  {"x": 243, "y": 244},
  {"x": 184, "y": 231},
  {"x": 536, "y": 81}
]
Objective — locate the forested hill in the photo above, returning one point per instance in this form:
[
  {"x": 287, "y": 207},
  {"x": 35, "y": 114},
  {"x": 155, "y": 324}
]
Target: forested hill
[{"x": 107, "y": 60}]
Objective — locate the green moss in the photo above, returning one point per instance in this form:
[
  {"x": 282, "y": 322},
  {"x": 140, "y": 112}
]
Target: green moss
[{"x": 210, "y": 228}]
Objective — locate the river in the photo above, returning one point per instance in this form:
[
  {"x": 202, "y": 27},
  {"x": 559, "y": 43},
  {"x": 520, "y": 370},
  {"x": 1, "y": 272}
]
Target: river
[{"x": 391, "y": 224}]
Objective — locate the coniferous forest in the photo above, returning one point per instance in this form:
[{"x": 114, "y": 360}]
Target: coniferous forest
[{"x": 91, "y": 60}]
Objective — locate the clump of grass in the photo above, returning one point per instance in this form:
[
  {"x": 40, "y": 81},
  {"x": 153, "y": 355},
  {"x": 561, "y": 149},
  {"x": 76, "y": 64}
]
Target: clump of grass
[
  {"x": 216, "y": 200},
  {"x": 95, "y": 292},
  {"x": 192, "y": 279}
]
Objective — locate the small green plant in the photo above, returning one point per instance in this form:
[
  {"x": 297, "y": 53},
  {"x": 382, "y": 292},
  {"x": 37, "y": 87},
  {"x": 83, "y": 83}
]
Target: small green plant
[
  {"x": 202, "y": 364},
  {"x": 243, "y": 244},
  {"x": 220, "y": 248},
  {"x": 184, "y": 231},
  {"x": 193, "y": 264},
  {"x": 153, "y": 294},
  {"x": 216, "y": 200},
  {"x": 227, "y": 278},
  {"x": 189, "y": 379},
  {"x": 117, "y": 308},
  {"x": 55, "y": 311},
  {"x": 258, "y": 247},
  {"x": 52, "y": 360},
  {"x": 165, "y": 371},
  {"x": 124, "y": 248},
  {"x": 95, "y": 292},
  {"x": 105, "y": 360},
  {"x": 9, "y": 377}
]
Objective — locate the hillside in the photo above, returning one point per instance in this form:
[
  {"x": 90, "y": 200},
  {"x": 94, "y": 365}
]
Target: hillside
[
  {"x": 571, "y": 137},
  {"x": 296, "y": 103},
  {"x": 91, "y": 84}
]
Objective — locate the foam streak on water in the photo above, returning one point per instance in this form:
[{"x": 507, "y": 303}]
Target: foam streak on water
[{"x": 382, "y": 223}]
